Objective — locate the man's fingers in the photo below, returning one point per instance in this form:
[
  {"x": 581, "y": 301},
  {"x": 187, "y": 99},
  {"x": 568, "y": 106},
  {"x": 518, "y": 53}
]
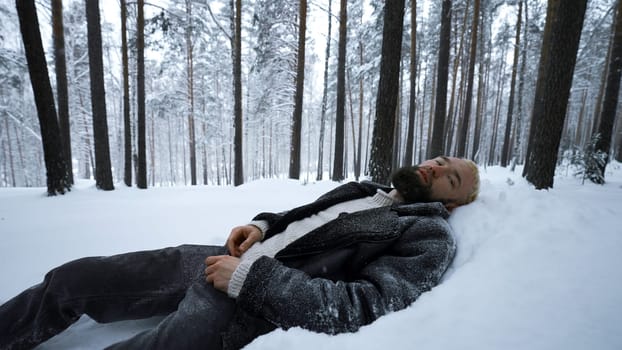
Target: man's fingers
[
  {"x": 244, "y": 245},
  {"x": 232, "y": 248},
  {"x": 249, "y": 241},
  {"x": 236, "y": 237},
  {"x": 219, "y": 270},
  {"x": 212, "y": 259},
  {"x": 211, "y": 268}
]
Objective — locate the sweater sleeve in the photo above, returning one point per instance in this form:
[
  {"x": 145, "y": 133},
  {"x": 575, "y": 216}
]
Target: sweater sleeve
[
  {"x": 262, "y": 225},
  {"x": 238, "y": 277},
  {"x": 288, "y": 297}
]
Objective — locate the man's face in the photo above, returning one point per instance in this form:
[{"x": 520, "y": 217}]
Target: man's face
[{"x": 443, "y": 179}]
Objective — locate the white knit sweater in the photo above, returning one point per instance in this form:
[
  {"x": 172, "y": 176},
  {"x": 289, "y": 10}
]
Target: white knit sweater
[{"x": 296, "y": 230}]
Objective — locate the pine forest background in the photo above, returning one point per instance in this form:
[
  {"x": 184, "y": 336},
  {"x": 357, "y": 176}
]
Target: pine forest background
[{"x": 315, "y": 118}]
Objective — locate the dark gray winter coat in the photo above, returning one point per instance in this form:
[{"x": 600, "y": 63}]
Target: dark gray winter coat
[{"x": 346, "y": 273}]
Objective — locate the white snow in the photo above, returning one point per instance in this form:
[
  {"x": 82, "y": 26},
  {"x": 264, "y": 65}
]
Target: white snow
[{"x": 534, "y": 269}]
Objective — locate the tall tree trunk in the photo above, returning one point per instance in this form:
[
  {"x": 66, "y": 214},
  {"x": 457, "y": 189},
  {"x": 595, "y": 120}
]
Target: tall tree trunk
[
  {"x": 55, "y": 164},
  {"x": 152, "y": 161},
  {"x": 190, "y": 81},
  {"x": 505, "y": 152},
  {"x": 412, "y": 102},
  {"x": 294, "y": 158},
  {"x": 10, "y": 152},
  {"x": 204, "y": 135},
  {"x": 482, "y": 82},
  {"x": 127, "y": 127},
  {"x": 492, "y": 151},
  {"x": 103, "y": 170},
  {"x": 557, "y": 61},
  {"x": 462, "y": 137},
  {"x": 580, "y": 128},
  {"x": 388, "y": 90},
  {"x": 352, "y": 128},
  {"x": 521, "y": 87},
  {"x": 440, "y": 109},
  {"x": 357, "y": 166},
  {"x": 320, "y": 158},
  {"x": 338, "y": 170},
  {"x": 451, "y": 117},
  {"x": 420, "y": 145},
  {"x": 603, "y": 83},
  {"x": 61, "y": 83},
  {"x": 238, "y": 177},
  {"x": 397, "y": 129},
  {"x": 610, "y": 102},
  {"x": 367, "y": 142},
  {"x": 141, "y": 175}
]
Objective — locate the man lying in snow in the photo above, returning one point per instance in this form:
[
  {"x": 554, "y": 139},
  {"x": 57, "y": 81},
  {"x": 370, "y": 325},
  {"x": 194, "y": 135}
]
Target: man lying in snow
[{"x": 356, "y": 253}]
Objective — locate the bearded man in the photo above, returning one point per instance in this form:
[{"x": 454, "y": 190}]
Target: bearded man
[{"x": 358, "y": 252}]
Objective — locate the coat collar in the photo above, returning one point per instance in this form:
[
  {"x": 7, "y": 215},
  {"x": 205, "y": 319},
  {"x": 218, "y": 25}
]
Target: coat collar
[{"x": 422, "y": 209}]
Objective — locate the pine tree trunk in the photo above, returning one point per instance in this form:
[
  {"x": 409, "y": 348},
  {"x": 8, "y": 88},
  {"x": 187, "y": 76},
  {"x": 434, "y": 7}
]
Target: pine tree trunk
[
  {"x": 367, "y": 138},
  {"x": 141, "y": 175},
  {"x": 338, "y": 170},
  {"x": 521, "y": 86},
  {"x": 619, "y": 142},
  {"x": 10, "y": 152},
  {"x": 204, "y": 137},
  {"x": 557, "y": 61},
  {"x": 492, "y": 154},
  {"x": 320, "y": 159},
  {"x": 152, "y": 161},
  {"x": 482, "y": 84},
  {"x": 238, "y": 177},
  {"x": 462, "y": 137},
  {"x": 352, "y": 128},
  {"x": 127, "y": 127},
  {"x": 578, "y": 135},
  {"x": 55, "y": 164},
  {"x": 603, "y": 83},
  {"x": 357, "y": 166},
  {"x": 103, "y": 172},
  {"x": 61, "y": 83},
  {"x": 451, "y": 117},
  {"x": 440, "y": 110},
  {"x": 294, "y": 158},
  {"x": 505, "y": 152},
  {"x": 388, "y": 90},
  {"x": 421, "y": 119},
  {"x": 190, "y": 83},
  {"x": 412, "y": 107},
  {"x": 610, "y": 101}
]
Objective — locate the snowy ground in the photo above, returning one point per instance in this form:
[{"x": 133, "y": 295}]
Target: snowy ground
[{"x": 534, "y": 269}]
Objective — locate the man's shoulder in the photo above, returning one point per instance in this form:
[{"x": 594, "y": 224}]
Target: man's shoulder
[{"x": 355, "y": 189}]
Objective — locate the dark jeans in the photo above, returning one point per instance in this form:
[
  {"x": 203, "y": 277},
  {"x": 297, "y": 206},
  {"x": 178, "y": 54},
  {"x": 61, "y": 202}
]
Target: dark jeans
[{"x": 128, "y": 286}]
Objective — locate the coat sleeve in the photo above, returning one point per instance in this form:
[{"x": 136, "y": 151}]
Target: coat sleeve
[{"x": 289, "y": 297}]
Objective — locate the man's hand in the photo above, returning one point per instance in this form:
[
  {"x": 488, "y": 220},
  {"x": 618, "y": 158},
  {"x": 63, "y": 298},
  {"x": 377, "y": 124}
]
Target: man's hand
[
  {"x": 242, "y": 238},
  {"x": 219, "y": 270}
]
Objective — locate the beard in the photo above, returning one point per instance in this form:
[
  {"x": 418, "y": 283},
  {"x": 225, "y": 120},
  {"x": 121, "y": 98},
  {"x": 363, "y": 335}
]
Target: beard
[{"x": 408, "y": 183}]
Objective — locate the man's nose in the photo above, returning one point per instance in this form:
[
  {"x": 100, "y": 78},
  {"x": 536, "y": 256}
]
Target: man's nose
[{"x": 437, "y": 170}]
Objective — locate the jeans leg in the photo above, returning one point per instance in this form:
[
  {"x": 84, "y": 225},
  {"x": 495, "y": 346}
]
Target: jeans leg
[
  {"x": 120, "y": 287},
  {"x": 200, "y": 319}
]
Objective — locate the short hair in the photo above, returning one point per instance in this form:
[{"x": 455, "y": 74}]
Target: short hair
[{"x": 475, "y": 190}]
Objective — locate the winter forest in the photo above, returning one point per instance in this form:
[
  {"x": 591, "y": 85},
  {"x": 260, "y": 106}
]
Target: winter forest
[{"x": 184, "y": 92}]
